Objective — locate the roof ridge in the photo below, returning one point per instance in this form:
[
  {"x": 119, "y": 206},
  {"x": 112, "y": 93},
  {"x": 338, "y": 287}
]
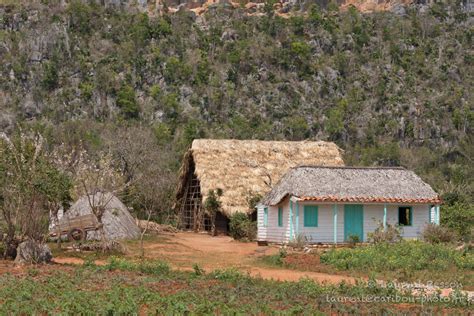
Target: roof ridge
[
  {"x": 265, "y": 140},
  {"x": 349, "y": 167}
]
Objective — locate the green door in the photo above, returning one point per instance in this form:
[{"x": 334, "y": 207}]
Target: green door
[{"x": 353, "y": 221}]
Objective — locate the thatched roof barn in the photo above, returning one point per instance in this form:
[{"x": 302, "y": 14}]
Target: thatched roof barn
[
  {"x": 352, "y": 184},
  {"x": 241, "y": 169}
]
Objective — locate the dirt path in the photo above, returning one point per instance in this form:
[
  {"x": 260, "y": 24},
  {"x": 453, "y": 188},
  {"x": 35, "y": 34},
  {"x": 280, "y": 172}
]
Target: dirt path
[{"x": 183, "y": 250}]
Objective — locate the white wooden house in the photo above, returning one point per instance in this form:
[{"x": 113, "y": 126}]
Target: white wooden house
[{"x": 329, "y": 204}]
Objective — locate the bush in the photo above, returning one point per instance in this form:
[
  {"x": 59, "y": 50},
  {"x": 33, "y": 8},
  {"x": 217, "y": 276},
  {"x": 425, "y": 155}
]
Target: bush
[
  {"x": 80, "y": 15},
  {"x": 390, "y": 235},
  {"x": 51, "y": 76},
  {"x": 299, "y": 241},
  {"x": 353, "y": 240},
  {"x": 241, "y": 227},
  {"x": 435, "y": 234},
  {"x": 459, "y": 217},
  {"x": 127, "y": 102},
  {"x": 403, "y": 256}
]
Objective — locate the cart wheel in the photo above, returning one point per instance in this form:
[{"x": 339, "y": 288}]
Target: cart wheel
[{"x": 76, "y": 234}]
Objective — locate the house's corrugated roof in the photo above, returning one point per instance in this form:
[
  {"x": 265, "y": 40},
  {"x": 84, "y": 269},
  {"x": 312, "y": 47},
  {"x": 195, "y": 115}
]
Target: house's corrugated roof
[{"x": 352, "y": 184}]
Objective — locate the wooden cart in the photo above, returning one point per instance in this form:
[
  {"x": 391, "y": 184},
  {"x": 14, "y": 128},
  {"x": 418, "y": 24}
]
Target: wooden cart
[{"x": 75, "y": 228}]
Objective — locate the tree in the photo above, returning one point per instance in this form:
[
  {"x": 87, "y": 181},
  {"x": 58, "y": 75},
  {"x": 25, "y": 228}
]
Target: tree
[
  {"x": 127, "y": 102},
  {"x": 95, "y": 178},
  {"x": 31, "y": 187},
  {"x": 147, "y": 166},
  {"x": 213, "y": 205},
  {"x": 51, "y": 75}
]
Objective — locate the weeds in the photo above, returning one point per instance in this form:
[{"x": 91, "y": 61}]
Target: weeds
[
  {"x": 147, "y": 267},
  {"x": 406, "y": 259},
  {"x": 151, "y": 288},
  {"x": 198, "y": 271}
]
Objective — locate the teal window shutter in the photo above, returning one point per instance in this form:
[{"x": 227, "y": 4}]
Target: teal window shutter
[
  {"x": 265, "y": 216},
  {"x": 280, "y": 217},
  {"x": 310, "y": 216}
]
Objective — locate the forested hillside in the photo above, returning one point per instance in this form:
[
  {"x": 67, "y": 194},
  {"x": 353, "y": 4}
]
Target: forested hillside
[{"x": 389, "y": 89}]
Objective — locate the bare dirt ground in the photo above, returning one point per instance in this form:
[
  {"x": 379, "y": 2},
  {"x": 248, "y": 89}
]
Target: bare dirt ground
[{"x": 184, "y": 249}]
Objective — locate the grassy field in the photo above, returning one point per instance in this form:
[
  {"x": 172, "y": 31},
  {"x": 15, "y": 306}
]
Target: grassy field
[
  {"x": 151, "y": 287},
  {"x": 408, "y": 261}
]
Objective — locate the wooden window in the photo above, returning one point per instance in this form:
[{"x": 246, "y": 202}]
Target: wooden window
[
  {"x": 280, "y": 217},
  {"x": 265, "y": 216},
  {"x": 405, "y": 216},
  {"x": 310, "y": 216}
]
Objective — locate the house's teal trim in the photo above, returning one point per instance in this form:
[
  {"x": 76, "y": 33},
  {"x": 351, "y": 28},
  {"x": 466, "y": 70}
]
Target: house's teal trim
[
  {"x": 438, "y": 215},
  {"x": 334, "y": 215},
  {"x": 265, "y": 217},
  {"x": 311, "y": 215},
  {"x": 280, "y": 217},
  {"x": 354, "y": 221},
  {"x": 385, "y": 216},
  {"x": 291, "y": 220},
  {"x": 297, "y": 226},
  {"x": 411, "y": 215}
]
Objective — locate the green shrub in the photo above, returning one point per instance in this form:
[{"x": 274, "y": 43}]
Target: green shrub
[
  {"x": 277, "y": 259},
  {"x": 147, "y": 267},
  {"x": 460, "y": 218},
  {"x": 353, "y": 240},
  {"x": 50, "y": 76},
  {"x": 127, "y": 102},
  {"x": 241, "y": 227},
  {"x": 198, "y": 270},
  {"x": 231, "y": 275},
  {"x": 80, "y": 15},
  {"x": 406, "y": 255}
]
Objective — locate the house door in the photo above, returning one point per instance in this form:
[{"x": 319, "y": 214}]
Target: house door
[{"x": 353, "y": 221}]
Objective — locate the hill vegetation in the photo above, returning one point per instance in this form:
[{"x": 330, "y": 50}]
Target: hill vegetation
[{"x": 389, "y": 89}]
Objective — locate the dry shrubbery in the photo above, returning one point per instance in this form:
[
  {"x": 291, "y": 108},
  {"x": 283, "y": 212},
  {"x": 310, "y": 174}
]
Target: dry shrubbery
[
  {"x": 436, "y": 234},
  {"x": 390, "y": 234},
  {"x": 110, "y": 246}
]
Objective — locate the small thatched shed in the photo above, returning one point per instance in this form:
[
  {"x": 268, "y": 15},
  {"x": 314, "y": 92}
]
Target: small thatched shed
[
  {"x": 242, "y": 169},
  {"x": 117, "y": 220}
]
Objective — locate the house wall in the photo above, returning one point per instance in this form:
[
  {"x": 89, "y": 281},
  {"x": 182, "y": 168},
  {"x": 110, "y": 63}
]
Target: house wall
[
  {"x": 324, "y": 233},
  {"x": 272, "y": 232}
]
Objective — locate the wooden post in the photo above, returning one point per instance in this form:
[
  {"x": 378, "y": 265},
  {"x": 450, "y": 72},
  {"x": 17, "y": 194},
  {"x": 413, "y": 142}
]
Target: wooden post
[
  {"x": 334, "y": 214},
  {"x": 438, "y": 217},
  {"x": 291, "y": 220},
  {"x": 297, "y": 226}
]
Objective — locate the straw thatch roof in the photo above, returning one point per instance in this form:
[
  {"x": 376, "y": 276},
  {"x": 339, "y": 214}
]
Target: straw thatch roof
[
  {"x": 352, "y": 184},
  {"x": 247, "y": 167}
]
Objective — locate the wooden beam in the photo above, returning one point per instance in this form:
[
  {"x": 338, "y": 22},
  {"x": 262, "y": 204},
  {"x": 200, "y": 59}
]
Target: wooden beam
[{"x": 334, "y": 215}]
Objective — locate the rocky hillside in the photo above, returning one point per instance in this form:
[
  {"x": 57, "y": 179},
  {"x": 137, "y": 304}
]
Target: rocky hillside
[{"x": 390, "y": 88}]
